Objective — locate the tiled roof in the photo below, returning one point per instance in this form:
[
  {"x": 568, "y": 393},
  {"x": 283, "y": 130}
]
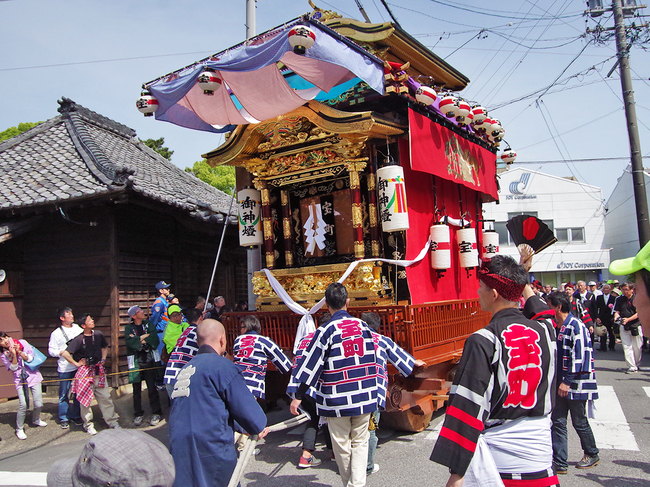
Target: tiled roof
[{"x": 81, "y": 154}]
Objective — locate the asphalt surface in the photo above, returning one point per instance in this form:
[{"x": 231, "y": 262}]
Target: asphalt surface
[{"x": 622, "y": 430}]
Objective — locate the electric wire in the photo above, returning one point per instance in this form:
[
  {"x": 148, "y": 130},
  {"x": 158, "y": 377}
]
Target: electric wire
[{"x": 475, "y": 10}]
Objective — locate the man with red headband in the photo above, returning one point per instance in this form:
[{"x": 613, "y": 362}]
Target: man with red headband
[{"x": 497, "y": 429}]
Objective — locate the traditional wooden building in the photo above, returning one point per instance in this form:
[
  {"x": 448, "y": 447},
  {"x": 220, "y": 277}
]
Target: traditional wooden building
[{"x": 91, "y": 218}]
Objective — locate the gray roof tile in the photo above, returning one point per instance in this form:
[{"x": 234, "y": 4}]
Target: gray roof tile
[{"x": 81, "y": 153}]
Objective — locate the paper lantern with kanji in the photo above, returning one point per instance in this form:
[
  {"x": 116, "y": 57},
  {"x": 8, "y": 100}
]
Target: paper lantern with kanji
[
  {"x": 480, "y": 114},
  {"x": 426, "y": 95},
  {"x": 249, "y": 201},
  {"x": 147, "y": 103},
  {"x": 209, "y": 81},
  {"x": 440, "y": 246},
  {"x": 490, "y": 246},
  {"x": 301, "y": 38},
  {"x": 449, "y": 105},
  {"x": 467, "y": 251},
  {"x": 393, "y": 211}
]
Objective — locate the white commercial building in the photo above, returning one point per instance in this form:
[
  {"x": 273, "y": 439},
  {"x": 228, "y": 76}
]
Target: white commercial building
[
  {"x": 572, "y": 210},
  {"x": 621, "y": 229}
]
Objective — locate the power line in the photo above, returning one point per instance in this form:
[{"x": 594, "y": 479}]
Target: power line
[
  {"x": 594, "y": 159},
  {"x": 475, "y": 10}
]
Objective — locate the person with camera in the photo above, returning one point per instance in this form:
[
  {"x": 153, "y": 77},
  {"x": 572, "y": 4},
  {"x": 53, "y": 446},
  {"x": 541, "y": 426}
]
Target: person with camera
[
  {"x": 142, "y": 355},
  {"x": 631, "y": 335},
  {"x": 88, "y": 353}
]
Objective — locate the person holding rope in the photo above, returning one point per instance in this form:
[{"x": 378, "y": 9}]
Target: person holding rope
[
  {"x": 15, "y": 354},
  {"x": 88, "y": 353},
  {"x": 209, "y": 395}
]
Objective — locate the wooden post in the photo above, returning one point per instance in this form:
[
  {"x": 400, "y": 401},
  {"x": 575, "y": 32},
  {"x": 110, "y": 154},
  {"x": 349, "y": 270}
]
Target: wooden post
[
  {"x": 267, "y": 223},
  {"x": 286, "y": 228},
  {"x": 115, "y": 303}
]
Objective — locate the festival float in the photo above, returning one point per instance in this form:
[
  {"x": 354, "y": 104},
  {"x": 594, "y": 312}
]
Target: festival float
[{"x": 357, "y": 160}]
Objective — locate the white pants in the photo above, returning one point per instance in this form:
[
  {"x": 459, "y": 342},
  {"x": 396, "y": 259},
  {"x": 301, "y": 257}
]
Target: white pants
[
  {"x": 350, "y": 444},
  {"x": 106, "y": 406},
  {"x": 632, "y": 347}
]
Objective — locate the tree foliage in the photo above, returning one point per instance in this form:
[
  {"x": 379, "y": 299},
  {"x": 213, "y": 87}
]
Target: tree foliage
[
  {"x": 159, "y": 147},
  {"x": 13, "y": 131},
  {"x": 221, "y": 177}
]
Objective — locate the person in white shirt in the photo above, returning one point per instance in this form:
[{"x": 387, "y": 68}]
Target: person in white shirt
[{"x": 59, "y": 339}]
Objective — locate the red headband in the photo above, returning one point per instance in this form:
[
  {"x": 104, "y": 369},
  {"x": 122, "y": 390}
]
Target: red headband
[{"x": 507, "y": 288}]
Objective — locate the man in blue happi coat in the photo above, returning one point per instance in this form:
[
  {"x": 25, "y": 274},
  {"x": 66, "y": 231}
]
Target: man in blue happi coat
[{"x": 209, "y": 394}]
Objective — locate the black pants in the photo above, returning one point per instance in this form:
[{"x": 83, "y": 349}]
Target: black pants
[{"x": 149, "y": 376}]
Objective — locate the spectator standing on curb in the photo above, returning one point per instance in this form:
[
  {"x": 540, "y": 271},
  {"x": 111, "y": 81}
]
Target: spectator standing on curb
[
  {"x": 87, "y": 352},
  {"x": 605, "y": 305},
  {"x": 631, "y": 332},
  {"x": 59, "y": 339},
  {"x": 159, "y": 316},
  {"x": 15, "y": 354},
  {"x": 576, "y": 385},
  {"x": 142, "y": 357}
]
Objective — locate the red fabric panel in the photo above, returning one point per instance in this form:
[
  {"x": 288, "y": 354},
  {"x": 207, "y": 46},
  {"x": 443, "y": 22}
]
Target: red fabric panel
[
  {"x": 545, "y": 482},
  {"x": 439, "y": 151},
  {"x": 424, "y": 283}
]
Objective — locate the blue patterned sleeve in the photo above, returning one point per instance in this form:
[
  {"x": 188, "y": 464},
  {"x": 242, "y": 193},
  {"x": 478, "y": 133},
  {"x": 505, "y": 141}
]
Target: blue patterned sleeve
[
  {"x": 397, "y": 356},
  {"x": 277, "y": 356}
]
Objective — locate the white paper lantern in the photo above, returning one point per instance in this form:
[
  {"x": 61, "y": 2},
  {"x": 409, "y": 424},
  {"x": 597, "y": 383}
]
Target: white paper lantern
[
  {"x": 249, "y": 201},
  {"x": 467, "y": 251},
  {"x": 147, "y": 103},
  {"x": 463, "y": 113},
  {"x": 480, "y": 114},
  {"x": 449, "y": 105},
  {"x": 440, "y": 247},
  {"x": 490, "y": 246},
  {"x": 426, "y": 95},
  {"x": 508, "y": 156},
  {"x": 393, "y": 211},
  {"x": 301, "y": 38},
  {"x": 209, "y": 81}
]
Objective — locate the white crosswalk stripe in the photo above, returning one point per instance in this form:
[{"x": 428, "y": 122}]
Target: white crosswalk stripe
[{"x": 610, "y": 426}]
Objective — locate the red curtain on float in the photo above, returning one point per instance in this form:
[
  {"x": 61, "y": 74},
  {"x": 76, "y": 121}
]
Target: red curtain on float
[
  {"x": 439, "y": 151},
  {"x": 426, "y": 166}
]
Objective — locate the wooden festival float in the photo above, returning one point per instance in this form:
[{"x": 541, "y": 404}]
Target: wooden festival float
[{"x": 351, "y": 146}]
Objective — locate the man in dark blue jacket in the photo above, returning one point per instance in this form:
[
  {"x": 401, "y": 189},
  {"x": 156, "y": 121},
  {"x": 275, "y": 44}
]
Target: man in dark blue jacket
[{"x": 210, "y": 393}]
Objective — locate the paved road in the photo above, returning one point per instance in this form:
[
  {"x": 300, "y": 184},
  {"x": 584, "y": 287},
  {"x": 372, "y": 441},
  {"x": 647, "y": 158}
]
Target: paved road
[{"x": 622, "y": 430}]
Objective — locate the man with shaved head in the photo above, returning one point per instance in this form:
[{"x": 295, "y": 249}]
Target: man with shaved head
[{"x": 210, "y": 393}]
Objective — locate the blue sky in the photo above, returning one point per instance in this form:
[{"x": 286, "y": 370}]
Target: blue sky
[{"x": 99, "y": 54}]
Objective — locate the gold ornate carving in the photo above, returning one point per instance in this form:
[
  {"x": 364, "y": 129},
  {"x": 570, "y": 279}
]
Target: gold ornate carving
[
  {"x": 288, "y": 258},
  {"x": 357, "y": 215},
  {"x": 372, "y": 214},
  {"x": 323, "y": 15},
  {"x": 270, "y": 260},
  {"x": 284, "y": 198},
  {"x": 266, "y": 200},
  {"x": 307, "y": 176},
  {"x": 287, "y": 132},
  {"x": 375, "y": 248},
  {"x": 371, "y": 180},
  {"x": 268, "y": 231},
  {"x": 366, "y": 277},
  {"x": 359, "y": 250},
  {"x": 286, "y": 227},
  {"x": 354, "y": 179}
]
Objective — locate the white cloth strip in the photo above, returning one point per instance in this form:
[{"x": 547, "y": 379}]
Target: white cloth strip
[
  {"x": 289, "y": 423},
  {"x": 244, "y": 457},
  {"x": 307, "y": 321}
]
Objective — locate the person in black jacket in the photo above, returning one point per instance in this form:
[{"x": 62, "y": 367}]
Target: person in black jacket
[{"x": 605, "y": 306}]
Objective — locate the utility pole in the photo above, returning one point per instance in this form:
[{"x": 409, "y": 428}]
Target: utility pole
[
  {"x": 623, "y": 55},
  {"x": 638, "y": 174}
]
